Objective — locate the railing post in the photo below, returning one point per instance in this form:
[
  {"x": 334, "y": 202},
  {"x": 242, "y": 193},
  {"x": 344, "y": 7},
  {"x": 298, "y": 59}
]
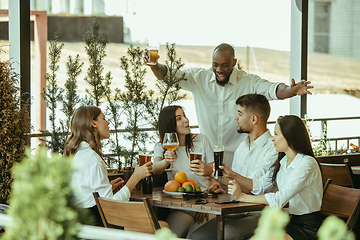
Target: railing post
[{"x": 324, "y": 130}]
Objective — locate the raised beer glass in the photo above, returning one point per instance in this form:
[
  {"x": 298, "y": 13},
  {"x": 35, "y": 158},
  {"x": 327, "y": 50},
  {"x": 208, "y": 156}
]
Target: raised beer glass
[
  {"x": 147, "y": 183},
  {"x": 170, "y": 142},
  {"x": 218, "y": 159}
]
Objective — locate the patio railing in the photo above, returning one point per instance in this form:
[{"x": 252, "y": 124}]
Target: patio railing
[{"x": 324, "y": 123}]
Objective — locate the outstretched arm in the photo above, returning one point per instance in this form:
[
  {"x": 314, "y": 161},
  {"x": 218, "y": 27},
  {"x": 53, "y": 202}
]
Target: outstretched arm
[
  {"x": 284, "y": 91},
  {"x": 159, "y": 70}
]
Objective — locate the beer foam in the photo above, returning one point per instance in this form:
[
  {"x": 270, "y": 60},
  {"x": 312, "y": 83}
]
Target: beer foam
[{"x": 218, "y": 148}]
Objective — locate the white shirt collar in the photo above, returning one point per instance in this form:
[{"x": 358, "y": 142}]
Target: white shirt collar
[
  {"x": 294, "y": 164},
  {"x": 260, "y": 141},
  {"x": 84, "y": 145}
]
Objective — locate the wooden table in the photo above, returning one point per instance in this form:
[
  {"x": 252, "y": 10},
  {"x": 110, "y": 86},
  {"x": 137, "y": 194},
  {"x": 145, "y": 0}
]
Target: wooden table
[{"x": 160, "y": 199}]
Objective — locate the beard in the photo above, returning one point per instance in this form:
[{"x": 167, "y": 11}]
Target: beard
[
  {"x": 222, "y": 83},
  {"x": 241, "y": 130}
]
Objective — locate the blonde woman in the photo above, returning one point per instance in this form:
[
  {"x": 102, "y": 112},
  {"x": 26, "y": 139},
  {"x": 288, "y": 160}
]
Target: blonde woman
[{"x": 88, "y": 127}]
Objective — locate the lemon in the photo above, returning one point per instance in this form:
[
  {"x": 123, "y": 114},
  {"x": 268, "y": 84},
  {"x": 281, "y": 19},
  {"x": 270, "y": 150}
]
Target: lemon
[
  {"x": 181, "y": 189},
  {"x": 197, "y": 189}
]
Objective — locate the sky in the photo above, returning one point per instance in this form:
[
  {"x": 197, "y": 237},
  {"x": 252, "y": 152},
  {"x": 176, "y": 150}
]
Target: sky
[{"x": 257, "y": 23}]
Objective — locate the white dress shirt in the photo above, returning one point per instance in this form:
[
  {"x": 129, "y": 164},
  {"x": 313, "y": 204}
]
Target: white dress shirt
[
  {"x": 215, "y": 105},
  {"x": 182, "y": 161},
  {"x": 299, "y": 184},
  {"x": 91, "y": 176},
  {"x": 254, "y": 161}
]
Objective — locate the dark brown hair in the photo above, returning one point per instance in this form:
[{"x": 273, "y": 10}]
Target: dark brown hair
[
  {"x": 257, "y": 104},
  {"x": 167, "y": 123},
  {"x": 297, "y": 137}
]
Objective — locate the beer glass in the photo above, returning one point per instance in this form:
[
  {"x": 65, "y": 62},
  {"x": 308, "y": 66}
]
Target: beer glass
[
  {"x": 147, "y": 183},
  {"x": 195, "y": 155},
  {"x": 144, "y": 157},
  {"x": 218, "y": 159},
  {"x": 151, "y": 55},
  {"x": 170, "y": 142}
]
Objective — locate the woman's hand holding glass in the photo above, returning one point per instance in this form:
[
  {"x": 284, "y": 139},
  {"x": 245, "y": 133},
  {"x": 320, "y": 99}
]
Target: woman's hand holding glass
[
  {"x": 170, "y": 142},
  {"x": 143, "y": 171},
  {"x": 201, "y": 168},
  {"x": 169, "y": 157}
]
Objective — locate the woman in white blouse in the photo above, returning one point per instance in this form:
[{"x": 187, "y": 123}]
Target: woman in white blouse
[
  {"x": 173, "y": 119},
  {"x": 88, "y": 127},
  {"x": 297, "y": 175}
]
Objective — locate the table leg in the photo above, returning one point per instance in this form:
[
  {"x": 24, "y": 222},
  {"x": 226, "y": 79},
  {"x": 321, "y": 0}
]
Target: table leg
[{"x": 220, "y": 227}]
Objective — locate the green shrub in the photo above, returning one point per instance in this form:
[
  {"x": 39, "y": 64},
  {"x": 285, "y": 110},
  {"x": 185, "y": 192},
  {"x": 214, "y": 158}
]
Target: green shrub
[{"x": 42, "y": 201}]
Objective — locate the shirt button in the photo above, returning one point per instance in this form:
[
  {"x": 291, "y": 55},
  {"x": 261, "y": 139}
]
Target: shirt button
[
  {"x": 219, "y": 100},
  {"x": 221, "y": 113}
]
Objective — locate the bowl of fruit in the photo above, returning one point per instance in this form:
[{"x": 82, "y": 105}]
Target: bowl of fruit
[{"x": 181, "y": 185}]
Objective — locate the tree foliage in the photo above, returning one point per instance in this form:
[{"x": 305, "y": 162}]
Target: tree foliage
[
  {"x": 14, "y": 122},
  {"x": 95, "y": 49},
  {"x": 53, "y": 95}
]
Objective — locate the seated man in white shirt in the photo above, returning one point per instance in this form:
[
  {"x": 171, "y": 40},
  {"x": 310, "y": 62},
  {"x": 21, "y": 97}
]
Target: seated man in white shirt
[{"x": 255, "y": 155}]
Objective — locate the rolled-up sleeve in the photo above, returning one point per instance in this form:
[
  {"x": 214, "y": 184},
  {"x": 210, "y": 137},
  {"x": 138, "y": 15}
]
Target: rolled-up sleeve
[
  {"x": 262, "y": 185},
  {"x": 264, "y": 87}
]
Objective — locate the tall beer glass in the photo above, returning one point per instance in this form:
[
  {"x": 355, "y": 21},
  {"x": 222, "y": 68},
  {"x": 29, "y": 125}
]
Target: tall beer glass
[{"x": 218, "y": 159}]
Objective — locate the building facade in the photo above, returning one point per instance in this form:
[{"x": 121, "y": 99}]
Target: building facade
[{"x": 334, "y": 27}]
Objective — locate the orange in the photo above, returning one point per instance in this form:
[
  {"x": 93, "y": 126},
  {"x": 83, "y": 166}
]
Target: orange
[
  {"x": 187, "y": 183},
  {"x": 172, "y": 186},
  {"x": 192, "y": 181},
  {"x": 180, "y": 177}
]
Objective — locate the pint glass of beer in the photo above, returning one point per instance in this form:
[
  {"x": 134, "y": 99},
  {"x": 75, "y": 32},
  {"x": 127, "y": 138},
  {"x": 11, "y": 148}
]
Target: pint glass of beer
[
  {"x": 144, "y": 157},
  {"x": 151, "y": 55},
  {"x": 195, "y": 155},
  {"x": 218, "y": 159}
]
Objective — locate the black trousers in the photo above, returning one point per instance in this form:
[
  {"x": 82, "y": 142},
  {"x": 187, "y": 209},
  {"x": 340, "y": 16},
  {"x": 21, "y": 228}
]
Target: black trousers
[
  {"x": 304, "y": 226},
  {"x": 96, "y": 216}
]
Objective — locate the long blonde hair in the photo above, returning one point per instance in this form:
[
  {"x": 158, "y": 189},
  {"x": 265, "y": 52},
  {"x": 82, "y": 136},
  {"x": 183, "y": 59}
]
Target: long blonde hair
[{"x": 81, "y": 129}]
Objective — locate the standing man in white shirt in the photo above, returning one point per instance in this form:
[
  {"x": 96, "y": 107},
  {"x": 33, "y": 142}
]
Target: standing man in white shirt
[{"x": 216, "y": 89}]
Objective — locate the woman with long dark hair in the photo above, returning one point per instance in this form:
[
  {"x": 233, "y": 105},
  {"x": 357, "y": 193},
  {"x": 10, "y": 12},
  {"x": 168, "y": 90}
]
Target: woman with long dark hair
[
  {"x": 173, "y": 119},
  {"x": 88, "y": 127},
  {"x": 296, "y": 173}
]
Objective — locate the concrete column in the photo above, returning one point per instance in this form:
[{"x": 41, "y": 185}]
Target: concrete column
[
  {"x": 98, "y": 7},
  {"x": 76, "y": 7},
  {"x": 298, "y": 52},
  {"x": 19, "y": 38},
  {"x": 88, "y": 7}
]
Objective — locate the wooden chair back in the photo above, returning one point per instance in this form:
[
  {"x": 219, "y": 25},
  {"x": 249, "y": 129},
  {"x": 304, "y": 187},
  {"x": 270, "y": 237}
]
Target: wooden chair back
[
  {"x": 341, "y": 201},
  {"x": 133, "y": 216},
  {"x": 341, "y": 174},
  {"x": 354, "y": 159}
]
